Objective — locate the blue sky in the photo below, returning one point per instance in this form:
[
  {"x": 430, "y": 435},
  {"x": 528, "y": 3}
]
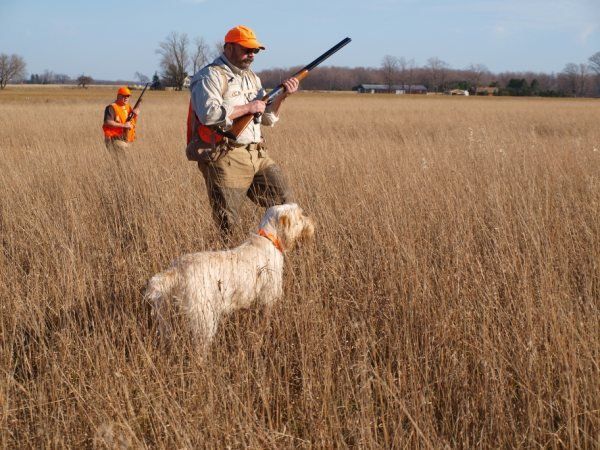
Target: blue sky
[{"x": 111, "y": 39}]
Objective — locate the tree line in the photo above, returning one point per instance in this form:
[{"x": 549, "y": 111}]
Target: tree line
[
  {"x": 13, "y": 69},
  {"x": 575, "y": 80},
  {"x": 181, "y": 57}
]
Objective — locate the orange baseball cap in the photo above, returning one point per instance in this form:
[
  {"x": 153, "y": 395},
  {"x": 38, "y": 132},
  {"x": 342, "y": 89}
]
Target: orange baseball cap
[
  {"x": 244, "y": 36},
  {"x": 124, "y": 90}
]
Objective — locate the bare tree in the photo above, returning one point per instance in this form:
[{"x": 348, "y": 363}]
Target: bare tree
[
  {"x": 389, "y": 67},
  {"x": 11, "y": 68},
  {"x": 406, "y": 68},
  {"x": 595, "y": 62},
  {"x": 584, "y": 76},
  {"x": 438, "y": 70},
  {"x": 175, "y": 58},
  {"x": 62, "y": 78},
  {"x": 84, "y": 80},
  {"x": 143, "y": 79},
  {"x": 216, "y": 51},
  {"x": 200, "y": 54},
  {"x": 48, "y": 77},
  {"x": 576, "y": 77},
  {"x": 475, "y": 73}
]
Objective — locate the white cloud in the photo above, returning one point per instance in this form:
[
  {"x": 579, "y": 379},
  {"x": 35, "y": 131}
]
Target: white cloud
[
  {"x": 585, "y": 34},
  {"x": 500, "y": 31}
]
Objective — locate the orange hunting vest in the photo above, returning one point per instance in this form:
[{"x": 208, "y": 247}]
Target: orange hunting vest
[
  {"x": 121, "y": 113},
  {"x": 196, "y": 129},
  {"x": 199, "y": 136}
]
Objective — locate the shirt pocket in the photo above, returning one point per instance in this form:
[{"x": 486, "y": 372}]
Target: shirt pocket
[{"x": 234, "y": 94}]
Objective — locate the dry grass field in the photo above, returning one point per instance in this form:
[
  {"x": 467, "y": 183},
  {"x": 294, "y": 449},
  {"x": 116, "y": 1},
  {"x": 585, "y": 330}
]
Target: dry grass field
[{"x": 451, "y": 298}]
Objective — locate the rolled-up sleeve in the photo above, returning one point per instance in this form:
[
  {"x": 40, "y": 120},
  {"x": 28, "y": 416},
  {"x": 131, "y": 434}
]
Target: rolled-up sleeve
[
  {"x": 207, "y": 101},
  {"x": 269, "y": 118}
]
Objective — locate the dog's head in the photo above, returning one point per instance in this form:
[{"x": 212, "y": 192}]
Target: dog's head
[{"x": 289, "y": 224}]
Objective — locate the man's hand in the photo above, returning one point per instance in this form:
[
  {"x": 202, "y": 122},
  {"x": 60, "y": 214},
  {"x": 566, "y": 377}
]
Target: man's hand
[
  {"x": 136, "y": 111},
  {"x": 291, "y": 85},
  {"x": 112, "y": 123},
  {"x": 256, "y": 106}
]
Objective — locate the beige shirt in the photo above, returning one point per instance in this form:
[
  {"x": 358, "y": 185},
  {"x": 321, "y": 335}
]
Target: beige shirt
[{"x": 214, "y": 108}]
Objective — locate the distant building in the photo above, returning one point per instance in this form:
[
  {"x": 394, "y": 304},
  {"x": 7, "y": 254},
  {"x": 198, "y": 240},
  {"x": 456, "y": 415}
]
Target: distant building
[
  {"x": 486, "y": 90},
  {"x": 394, "y": 89},
  {"x": 458, "y": 92},
  {"x": 187, "y": 81}
]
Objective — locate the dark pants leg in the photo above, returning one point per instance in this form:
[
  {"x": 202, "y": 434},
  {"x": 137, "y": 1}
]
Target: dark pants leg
[
  {"x": 224, "y": 202},
  {"x": 238, "y": 174},
  {"x": 270, "y": 187}
]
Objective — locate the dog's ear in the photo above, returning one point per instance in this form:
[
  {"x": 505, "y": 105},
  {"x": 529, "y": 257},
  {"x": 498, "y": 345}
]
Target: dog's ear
[{"x": 284, "y": 221}]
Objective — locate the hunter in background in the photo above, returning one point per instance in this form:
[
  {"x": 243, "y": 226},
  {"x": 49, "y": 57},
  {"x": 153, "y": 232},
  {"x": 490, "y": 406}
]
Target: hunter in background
[{"x": 119, "y": 121}]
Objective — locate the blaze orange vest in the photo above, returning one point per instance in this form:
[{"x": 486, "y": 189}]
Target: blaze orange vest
[
  {"x": 121, "y": 113},
  {"x": 199, "y": 136},
  {"x": 196, "y": 129}
]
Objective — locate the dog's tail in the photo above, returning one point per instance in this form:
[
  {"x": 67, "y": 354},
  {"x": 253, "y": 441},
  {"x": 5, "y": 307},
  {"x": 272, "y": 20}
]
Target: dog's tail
[{"x": 157, "y": 293}]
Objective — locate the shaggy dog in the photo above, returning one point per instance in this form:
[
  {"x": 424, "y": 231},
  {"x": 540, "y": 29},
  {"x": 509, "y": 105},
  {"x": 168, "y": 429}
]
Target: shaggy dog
[{"x": 204, "y": 287}]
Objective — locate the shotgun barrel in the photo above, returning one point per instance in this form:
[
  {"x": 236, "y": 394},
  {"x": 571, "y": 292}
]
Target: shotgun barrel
[
  {"x": 240, "y": 124},
  {"x": 303, "y": 73},
  {"x": 130, "y": 115}
]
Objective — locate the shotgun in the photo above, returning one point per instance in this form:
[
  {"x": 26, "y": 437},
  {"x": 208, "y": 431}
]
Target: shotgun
[
  {"x": 130, "y": 115},
  {"x": 240, "y": 124}
]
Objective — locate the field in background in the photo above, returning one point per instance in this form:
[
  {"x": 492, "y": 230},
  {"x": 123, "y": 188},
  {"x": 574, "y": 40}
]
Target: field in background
[{"x": 451, "y": 297}]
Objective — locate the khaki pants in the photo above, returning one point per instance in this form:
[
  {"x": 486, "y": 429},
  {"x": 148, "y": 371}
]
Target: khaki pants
[
  {"x": 118, "y": 149},
  {"x": 116, "y": 145},
  {"x": 120, "y": 152},
  {"x": 242, "y": 172}
]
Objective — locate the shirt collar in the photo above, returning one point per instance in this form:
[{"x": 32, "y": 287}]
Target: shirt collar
[{"x": 233, "y": 68}]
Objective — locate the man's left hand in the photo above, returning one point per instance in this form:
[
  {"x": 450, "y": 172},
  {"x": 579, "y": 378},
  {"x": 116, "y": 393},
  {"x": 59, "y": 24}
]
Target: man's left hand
[{"x": 291, "y": 85}]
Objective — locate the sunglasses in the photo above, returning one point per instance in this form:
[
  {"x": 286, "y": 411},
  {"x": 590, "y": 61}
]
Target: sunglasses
[{"x": 249, "y": 51}]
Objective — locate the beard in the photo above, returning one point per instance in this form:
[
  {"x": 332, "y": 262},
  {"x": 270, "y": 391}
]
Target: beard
[{"x": 246, "y": 63}]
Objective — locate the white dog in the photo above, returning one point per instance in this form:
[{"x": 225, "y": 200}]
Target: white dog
[{"x": 203, "y": 287}]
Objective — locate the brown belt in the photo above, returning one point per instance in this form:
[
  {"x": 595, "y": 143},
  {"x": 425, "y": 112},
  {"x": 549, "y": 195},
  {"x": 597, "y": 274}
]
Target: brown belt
[{"x": 251, "y": 146}]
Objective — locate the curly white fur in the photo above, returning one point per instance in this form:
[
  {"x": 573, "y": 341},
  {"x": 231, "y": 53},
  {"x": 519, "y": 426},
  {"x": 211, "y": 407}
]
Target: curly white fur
[{"x": 203, "y": 287}]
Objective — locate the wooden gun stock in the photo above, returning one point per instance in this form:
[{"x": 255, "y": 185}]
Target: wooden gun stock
[{"x": 240, "y": 124}]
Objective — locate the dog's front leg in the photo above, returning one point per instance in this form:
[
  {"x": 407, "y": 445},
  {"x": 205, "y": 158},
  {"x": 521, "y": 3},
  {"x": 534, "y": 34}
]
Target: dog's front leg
[{"x": 204, "y": 324}]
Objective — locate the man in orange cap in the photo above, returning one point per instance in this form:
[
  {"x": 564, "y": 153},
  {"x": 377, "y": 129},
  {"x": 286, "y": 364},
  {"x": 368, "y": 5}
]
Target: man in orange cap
[
  {"x": 221, "y": 92},
  {"x": 118, "y": 131}
]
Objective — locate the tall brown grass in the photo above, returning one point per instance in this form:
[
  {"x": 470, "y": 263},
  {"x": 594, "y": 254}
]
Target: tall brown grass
[{"x": 451, "y": 298}]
